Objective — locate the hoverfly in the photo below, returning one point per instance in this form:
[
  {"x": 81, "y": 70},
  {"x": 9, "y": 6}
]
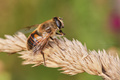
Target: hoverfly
[{"x": 45, "y": 31}]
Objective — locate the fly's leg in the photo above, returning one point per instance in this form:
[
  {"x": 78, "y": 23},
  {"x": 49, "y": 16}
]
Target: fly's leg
[
  {"x": 50, "y": 45},
  {"x": 61, "y": 32},
  {"x": 43, "y": 53},
  {"x": 43, "y": 57},
  {"x": 39, "y": 49},
  {"x": 58, "y": 33},
  {"x": 56, "y": 42}
]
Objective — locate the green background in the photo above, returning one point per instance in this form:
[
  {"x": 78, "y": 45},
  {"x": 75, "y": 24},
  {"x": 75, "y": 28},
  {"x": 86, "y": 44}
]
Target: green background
[{"x": 85, "y": 20}]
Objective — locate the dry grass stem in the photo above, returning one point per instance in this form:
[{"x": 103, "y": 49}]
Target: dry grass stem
[{"x": 72, "y": 57}]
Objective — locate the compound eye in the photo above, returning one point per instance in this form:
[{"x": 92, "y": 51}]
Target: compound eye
[{"x": 58, "y": 24}]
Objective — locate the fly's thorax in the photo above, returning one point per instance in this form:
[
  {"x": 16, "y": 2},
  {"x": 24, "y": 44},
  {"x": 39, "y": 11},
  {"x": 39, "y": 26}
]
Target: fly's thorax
[
  {"x": 54, "y": 33},
  {"x": 48, "y": 27},
  {"x": 53, "y": 28}
]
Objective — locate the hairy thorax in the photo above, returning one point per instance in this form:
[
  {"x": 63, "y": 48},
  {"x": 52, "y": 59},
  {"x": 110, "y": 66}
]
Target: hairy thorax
[{"x": 48, "y": 28}]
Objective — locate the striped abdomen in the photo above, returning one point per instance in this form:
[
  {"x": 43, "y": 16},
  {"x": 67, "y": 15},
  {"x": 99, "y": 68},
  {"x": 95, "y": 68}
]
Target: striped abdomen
[{"x": 33, "y": 40}]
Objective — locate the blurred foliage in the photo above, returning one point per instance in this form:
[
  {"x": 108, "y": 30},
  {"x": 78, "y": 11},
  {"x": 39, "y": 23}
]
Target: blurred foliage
[{"x": 85, "y": 20}]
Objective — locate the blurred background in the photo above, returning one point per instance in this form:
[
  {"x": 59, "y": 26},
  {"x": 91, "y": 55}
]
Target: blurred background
[{"x": 94, "y": 22}]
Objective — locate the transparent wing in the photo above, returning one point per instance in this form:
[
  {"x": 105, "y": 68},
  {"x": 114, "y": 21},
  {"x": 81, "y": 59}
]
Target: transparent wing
[
  {"x": 42, "y": 42},
  {"x": 28, "y": 29}
]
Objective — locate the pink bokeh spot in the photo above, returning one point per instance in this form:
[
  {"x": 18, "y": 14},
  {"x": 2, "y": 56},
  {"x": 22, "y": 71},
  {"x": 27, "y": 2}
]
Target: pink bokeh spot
[{"x": 115, "y": 22}]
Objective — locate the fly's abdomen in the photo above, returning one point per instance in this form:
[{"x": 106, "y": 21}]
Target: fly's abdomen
[{"x": 33, "y": 40}]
